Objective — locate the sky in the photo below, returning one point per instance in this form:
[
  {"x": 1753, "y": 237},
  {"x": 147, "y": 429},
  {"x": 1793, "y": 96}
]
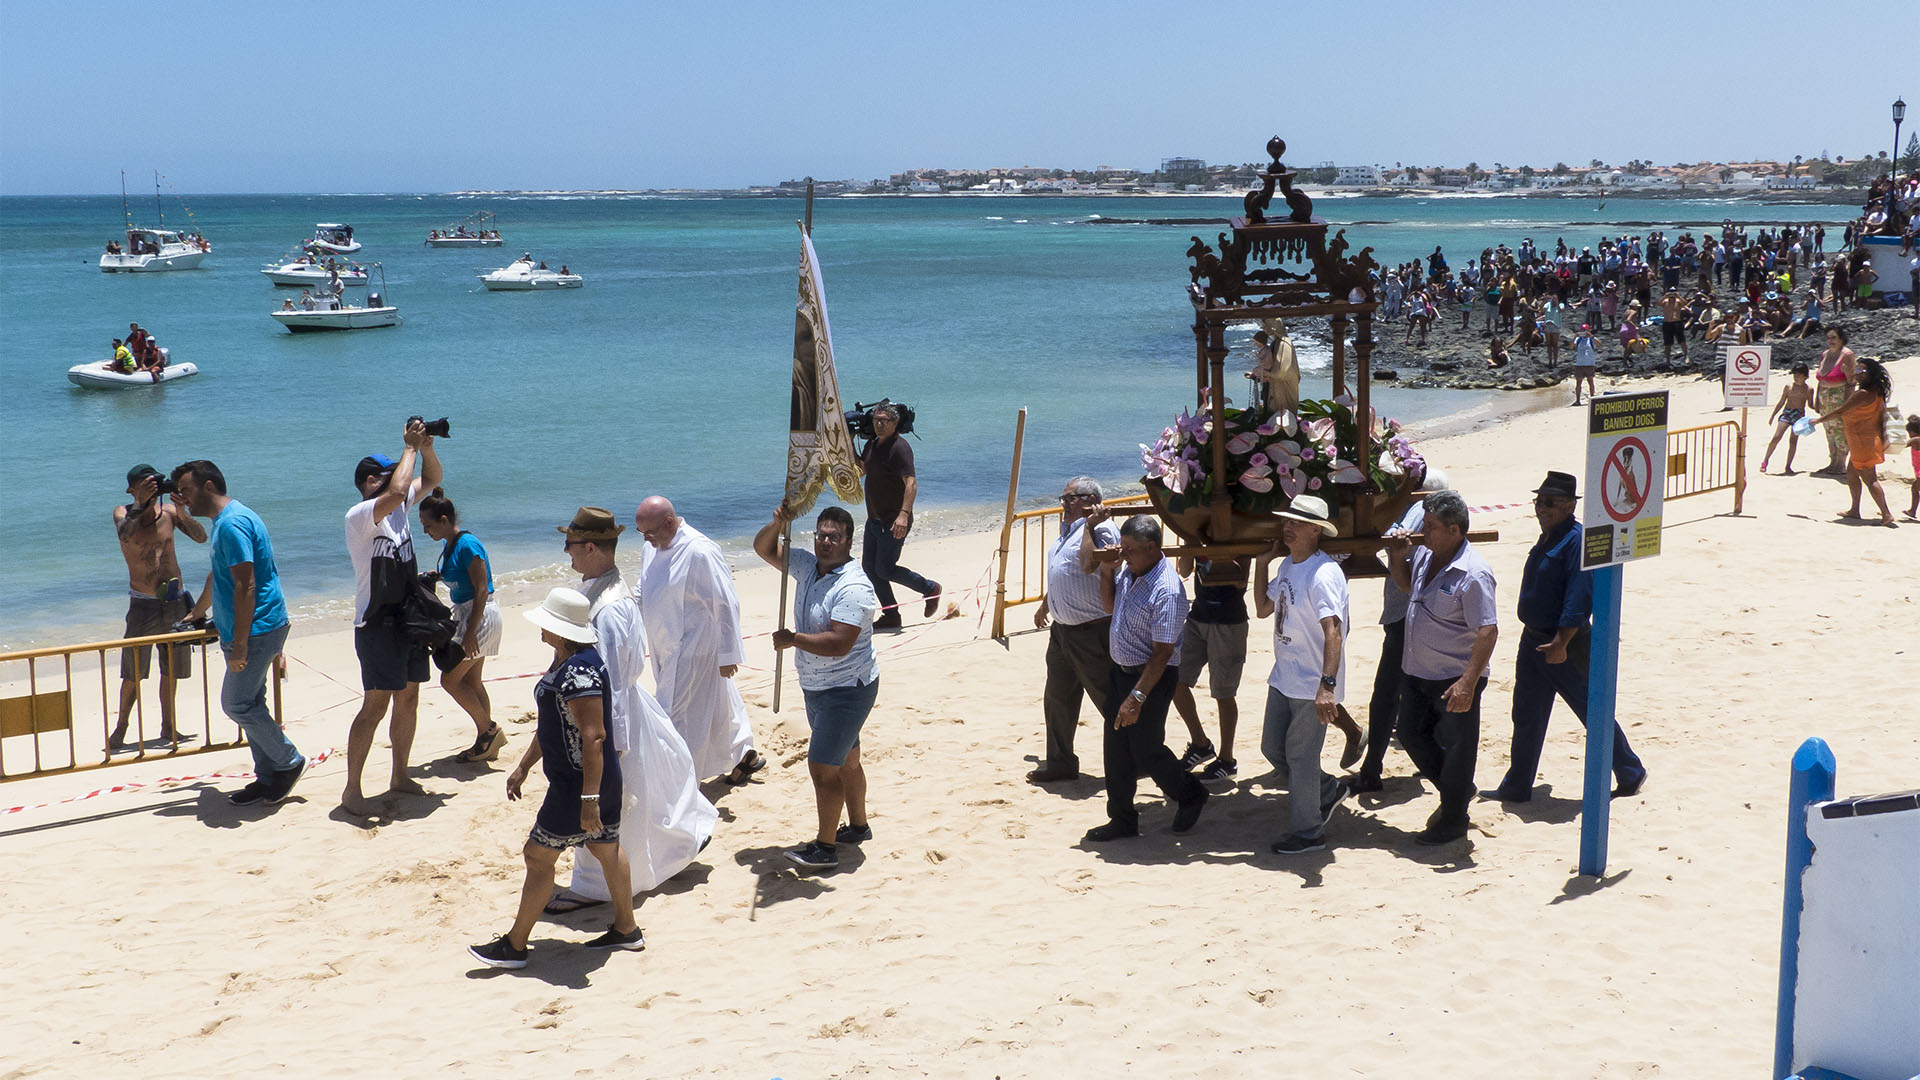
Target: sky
[{"x": 406, "y": 96}]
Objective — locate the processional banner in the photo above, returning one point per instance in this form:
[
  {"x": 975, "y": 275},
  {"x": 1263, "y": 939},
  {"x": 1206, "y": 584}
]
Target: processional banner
[{"x": 819, "y": 446}]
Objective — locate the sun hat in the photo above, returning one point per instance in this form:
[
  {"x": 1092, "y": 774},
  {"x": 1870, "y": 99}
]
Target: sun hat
[
  {"x": 564, "y": 613},
  {"x": 592, "y": 523},
  {"x": 1560, "y": 484},
  {"x": 1313, "y": 510}
]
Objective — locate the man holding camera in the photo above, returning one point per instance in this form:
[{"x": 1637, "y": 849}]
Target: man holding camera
[
  {"x": 156, "y": 599},
  {"x": 887, "y": 463},
  {"x": 243, "y": 593},
  {"x": 381, "y": 547}
]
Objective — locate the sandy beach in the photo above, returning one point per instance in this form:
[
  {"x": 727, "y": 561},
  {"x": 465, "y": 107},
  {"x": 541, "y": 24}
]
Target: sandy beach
[{"x": 162, "y": 932}]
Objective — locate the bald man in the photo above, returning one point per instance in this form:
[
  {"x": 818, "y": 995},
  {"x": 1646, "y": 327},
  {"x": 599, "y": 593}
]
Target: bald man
[{"x": 692, "y": 619}]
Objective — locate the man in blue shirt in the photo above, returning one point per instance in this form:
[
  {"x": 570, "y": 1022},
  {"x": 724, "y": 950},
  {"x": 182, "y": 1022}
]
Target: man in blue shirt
[
  {"x": 1556, "y": 600},
  {"x": 243, "y": 591}
]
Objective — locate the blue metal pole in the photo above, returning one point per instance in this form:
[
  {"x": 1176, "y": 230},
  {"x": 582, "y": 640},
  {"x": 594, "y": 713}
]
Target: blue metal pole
[
  {"x": 1603, "y": 676},
  {"x": 1813, "y": 781}
]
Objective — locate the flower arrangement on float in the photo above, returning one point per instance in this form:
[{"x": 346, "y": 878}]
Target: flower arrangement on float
[{"x": 1273, "y": 457}]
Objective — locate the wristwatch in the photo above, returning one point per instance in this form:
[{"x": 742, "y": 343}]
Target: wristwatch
[
  {"x": 1329, "y": 681},
  {"x": 1138, "y": 696}
]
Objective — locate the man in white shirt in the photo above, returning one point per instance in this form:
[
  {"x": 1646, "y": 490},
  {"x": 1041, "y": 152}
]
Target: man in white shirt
[
  {"x": 1308, "y": 599},
  {"x": 664, "y": 821},
  {"x": 693, "y": 633},
  {"x": 1077, "y": 659},
  {"x": 391, "y": 669}
]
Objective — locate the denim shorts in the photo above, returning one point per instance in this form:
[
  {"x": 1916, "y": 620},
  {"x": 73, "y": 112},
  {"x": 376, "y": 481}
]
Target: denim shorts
[{"x": 836, "y": 716}]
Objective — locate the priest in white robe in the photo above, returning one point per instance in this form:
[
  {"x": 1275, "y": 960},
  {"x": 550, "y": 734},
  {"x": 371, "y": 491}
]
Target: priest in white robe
[
  {"x": 664, "y": 819},
  {"x": 692, "y": 618}
]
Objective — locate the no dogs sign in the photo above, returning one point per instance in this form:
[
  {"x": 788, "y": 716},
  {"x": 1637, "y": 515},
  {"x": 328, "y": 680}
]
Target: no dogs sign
[{"x": 1626, "y": 477}]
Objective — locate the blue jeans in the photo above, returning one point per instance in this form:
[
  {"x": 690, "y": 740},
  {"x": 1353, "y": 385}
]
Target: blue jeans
[
  {"x": 1535, "y": 683},
  {"x": 1291, "y": 741},
  {"x": 835, "y": 716},
  {"x": 243, "y": 696},
  {"x": 880, "y": 559}
]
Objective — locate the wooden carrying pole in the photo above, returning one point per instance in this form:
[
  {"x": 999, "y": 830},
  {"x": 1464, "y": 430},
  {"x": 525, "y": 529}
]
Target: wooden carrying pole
[
  {"x": 1006, "y": 529},
  {"x": 786, "y": 532}
]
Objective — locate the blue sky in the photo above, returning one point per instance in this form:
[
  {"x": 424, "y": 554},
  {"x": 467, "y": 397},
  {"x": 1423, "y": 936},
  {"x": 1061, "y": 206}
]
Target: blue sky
[{"x": 402, "y": 96}]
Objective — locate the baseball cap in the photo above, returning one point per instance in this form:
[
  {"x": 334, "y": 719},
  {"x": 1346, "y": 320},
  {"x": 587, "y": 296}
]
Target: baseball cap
[
  {"x": 372, "y": 465},
  {"x": 139, "y": 473}
]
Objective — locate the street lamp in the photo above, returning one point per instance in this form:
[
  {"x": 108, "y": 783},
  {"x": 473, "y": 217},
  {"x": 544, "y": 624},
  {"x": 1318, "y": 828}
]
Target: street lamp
[{"x": 1899, "y": 114}]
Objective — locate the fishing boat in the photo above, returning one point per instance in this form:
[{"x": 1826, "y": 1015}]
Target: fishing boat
[
  {"x": 151, "y": 250},
  {"x": 103, "y": 375},
  {"x": 334, "y": 239},
  {"x": 476, "y": 231},
  {"x": 336, "y": 313},
  {"x": 304, "y": 270},
  {"x": 522, "y": 275}
]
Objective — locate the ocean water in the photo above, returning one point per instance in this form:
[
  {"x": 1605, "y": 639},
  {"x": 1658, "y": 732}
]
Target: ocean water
[{"x": 667, "y": 373}]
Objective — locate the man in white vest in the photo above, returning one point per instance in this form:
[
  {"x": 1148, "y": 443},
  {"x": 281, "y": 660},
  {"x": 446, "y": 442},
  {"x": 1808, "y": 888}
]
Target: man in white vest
[
  {"x": 665, "y": 821},
  {"x": 693, "y": 632}
]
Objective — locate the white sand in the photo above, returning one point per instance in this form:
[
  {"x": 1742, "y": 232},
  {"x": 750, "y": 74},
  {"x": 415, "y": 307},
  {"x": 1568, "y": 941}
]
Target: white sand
[{"x": 161, "y": 932}]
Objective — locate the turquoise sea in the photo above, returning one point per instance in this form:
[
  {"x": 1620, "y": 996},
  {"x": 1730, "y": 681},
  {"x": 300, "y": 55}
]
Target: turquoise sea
[{"x": 668, "y": 372}]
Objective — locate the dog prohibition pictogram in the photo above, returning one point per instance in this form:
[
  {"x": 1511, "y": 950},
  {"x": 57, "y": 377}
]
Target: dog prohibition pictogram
[{"x": 1626, "y": 480}]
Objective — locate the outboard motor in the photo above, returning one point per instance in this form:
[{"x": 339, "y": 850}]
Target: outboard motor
[{"x": 373, "y": 300}]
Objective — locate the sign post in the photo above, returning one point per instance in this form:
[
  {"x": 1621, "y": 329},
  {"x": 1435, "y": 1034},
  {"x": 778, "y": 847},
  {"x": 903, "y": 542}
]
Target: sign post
[
  {"x": 1746, "y": 370},
  {"x": 1626, "y": 488}
]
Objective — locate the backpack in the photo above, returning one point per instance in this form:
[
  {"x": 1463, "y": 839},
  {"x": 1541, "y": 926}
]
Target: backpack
[{"x": 428, "y": 622}]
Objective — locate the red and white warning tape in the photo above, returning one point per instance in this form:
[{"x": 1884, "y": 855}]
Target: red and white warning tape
[{"x": 165, "y": 781}]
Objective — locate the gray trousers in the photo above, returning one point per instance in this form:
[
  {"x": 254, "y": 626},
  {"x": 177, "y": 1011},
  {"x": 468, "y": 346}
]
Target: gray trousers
[
  {"x": 1077, "y": 661},
  {"x": 1291, "y": 741}
]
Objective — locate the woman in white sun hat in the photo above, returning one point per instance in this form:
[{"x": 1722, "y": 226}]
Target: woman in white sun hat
[{"x": 582, "y": 804}]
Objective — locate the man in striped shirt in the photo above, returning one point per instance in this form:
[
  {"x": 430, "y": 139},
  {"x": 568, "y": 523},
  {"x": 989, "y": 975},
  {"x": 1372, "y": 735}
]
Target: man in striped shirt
[
  {"x": 1077, "y": 659},
  {"x": 1148, "y": 603}
]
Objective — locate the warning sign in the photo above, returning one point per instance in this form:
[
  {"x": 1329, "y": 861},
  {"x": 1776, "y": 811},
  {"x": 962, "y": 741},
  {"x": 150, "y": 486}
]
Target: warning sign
[
  {"x": 1626, "y": 477},
  {"x": 1746, "y": 369}
]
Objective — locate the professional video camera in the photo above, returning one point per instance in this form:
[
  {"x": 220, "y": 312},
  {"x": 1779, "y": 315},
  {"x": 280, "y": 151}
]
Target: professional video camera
[{"x": 860, "y": 418}]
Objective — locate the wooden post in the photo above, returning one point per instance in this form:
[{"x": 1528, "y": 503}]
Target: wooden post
[
  {"x": 1740, "y": 463},
  {"x": 786, "y": 575},
  {"x": 1363, "y": 414},
  {"x": 1222, "y": 501},
  {"x": 1006, "y": 530},
  {"x": 1338, "y": 325},
  {"x": 1199, "y": 362}
]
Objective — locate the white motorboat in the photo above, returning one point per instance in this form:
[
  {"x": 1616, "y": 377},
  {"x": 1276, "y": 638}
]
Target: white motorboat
[
  {"x": 102, "y": 375},
  {"x": 522, "y": 275},
  {"x": 476, "y": 231},
  {"x": 304, "y": 271},
  {"x": 150, "y": 250},
  {"x": 333, "y": 312},
  {"x": 333, "y": 238}
]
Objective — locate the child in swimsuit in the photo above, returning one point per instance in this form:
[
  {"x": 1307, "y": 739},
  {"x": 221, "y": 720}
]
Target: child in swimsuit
[
  {"x": 1789, "y": 409},
  {"x": 1913, "y": 448}
]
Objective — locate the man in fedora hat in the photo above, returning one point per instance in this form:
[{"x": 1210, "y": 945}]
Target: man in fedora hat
[
  {"x": 381, "y": 547},
  {"x": 1308, "y": 599},
  {"x": 671, "y": 820},
  {"x": 1556, "y": 600}
]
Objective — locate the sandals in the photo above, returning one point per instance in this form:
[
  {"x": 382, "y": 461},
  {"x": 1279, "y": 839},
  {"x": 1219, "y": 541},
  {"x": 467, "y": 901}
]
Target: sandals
[
  {"x": 743, "y": 772},
  {"x": 486, "y": 746}
]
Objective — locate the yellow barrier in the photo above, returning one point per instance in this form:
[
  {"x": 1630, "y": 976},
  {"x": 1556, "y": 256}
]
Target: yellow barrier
[
  {"x": 1038, "y": 529},
  {"x": 43, "y": 721},
  {"x": 1712, "y": 457}
]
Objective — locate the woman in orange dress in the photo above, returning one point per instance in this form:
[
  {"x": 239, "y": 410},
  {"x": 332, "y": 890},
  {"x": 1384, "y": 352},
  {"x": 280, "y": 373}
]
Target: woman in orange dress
[{"x": 1863, "y": 416}]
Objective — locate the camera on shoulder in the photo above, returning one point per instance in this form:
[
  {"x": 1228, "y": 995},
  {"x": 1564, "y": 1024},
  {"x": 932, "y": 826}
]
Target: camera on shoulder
[
  {"x": 860, "y": 418},
  {"x": 436, "y": 428}
]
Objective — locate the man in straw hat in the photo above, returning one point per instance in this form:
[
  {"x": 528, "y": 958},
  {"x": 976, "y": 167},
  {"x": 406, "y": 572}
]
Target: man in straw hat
[
  {"x": 1556, "y": 601},
  {"x": 669, "y": 819},
  {"x": 583, "y": 804},
  {"x": 1452, "y": 627},
  {"x": 1308, "y": 599}
]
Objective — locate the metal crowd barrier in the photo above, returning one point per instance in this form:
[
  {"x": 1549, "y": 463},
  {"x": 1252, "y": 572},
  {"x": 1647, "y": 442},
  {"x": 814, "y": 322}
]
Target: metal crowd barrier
[
  {"x": 1037, "y": 530},
  {"x": 43, "y": 725},
  {"x": 1709, "y": 458}
]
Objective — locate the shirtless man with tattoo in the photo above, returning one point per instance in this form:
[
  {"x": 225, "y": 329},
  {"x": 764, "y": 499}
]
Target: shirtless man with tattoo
[{"x": 156, "y": 598}]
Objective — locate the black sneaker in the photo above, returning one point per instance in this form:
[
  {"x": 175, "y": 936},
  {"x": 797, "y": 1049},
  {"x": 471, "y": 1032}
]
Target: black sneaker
[
  {"x": 499, "y": 953},
  {"x": 283, "y": 782},
  {"x": 1341, "y": 789},
  {"x": 248, "y": 795},
  {"x": 815, "y": 855},
  {"x": 1112, "y": 830},
  {"x": 1197, "y": 754},
  {"x": 853, "y": 834},
  {"x": 614, "y": 939},
  {"x": 1188, "y": 815},
  {"x": 1221, "y": 775},
  {"x": 1295, "y": 844}
]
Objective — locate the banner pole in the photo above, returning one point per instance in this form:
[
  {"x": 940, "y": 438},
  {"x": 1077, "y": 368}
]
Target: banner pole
[
  {"x": 1740, "y": 464},
  {"x": 1603, "y": 673},
  {"x": 1006, "y": 529},
  {"x": 780, "y": 655}
]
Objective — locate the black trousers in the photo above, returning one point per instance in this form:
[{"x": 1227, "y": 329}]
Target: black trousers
[
  {"x": 1142, "y": 747},
  {"x": 1383, "y": 711},
  {"x": 1443, "y": 745},
  {"x": 1077, "y": 662},
  {"x": 1535, "y": 683}
]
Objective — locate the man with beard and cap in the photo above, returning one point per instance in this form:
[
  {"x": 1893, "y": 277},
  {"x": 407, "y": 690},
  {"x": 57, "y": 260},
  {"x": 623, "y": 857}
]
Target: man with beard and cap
[
  {"x": 693, "y": 633},
  {"x": 665, "y": 820}
]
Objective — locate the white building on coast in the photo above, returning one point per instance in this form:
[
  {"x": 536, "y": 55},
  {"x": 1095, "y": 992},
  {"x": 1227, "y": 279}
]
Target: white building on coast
[{"x": 1357, "y": 176}]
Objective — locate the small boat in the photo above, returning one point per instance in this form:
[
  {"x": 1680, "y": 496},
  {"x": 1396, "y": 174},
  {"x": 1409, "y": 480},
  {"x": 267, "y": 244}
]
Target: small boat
[
  {"x": 335, "y": 313},
  {"x": 476, "y": 231},
  {"x": 150, "y": 250},
  {"x": 102, "y": 375},
  {"x": 305, "y": 271},
  {"x": 522, "y": 275},
  {"x": 334, "y": 239}
]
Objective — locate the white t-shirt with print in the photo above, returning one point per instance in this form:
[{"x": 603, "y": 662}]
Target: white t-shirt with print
[
  {"x": 1302, "y": 595},
  {"x": 370, "y": 538}
]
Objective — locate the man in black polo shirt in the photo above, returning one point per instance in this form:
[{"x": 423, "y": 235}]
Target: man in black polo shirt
[{"x": 887, "y": 463}]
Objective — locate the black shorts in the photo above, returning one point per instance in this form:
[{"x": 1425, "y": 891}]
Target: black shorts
[
  {"x": 146, "y": 616},
  {"x": 1672, "y": 332},
  {"x": 388, "y": 661}
]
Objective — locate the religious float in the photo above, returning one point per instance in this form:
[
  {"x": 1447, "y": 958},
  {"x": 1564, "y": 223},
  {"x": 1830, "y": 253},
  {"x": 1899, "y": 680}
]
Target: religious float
[{"x": 1219, "y": 474}]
